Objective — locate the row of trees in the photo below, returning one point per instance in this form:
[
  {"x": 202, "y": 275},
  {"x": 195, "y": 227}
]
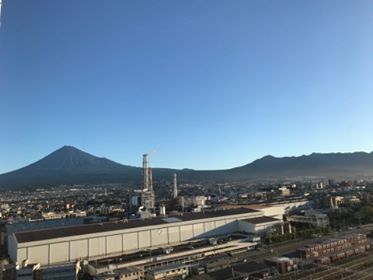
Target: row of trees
[
  {"x": 351, "y": 215},
  {"x": 301, "y": 234}
]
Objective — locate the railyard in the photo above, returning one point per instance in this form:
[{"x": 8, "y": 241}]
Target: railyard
[
  {"x": 229, "y": 254},
  {"x": 359, "y": 267}
]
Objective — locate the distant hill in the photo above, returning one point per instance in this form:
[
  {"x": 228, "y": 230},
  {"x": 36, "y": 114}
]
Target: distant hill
[
  {"x": 69, "y": 165},
  {"x": 329, "y": 165}
]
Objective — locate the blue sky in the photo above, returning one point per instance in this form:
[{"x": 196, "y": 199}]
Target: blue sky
[{"x": 208, "y": 84}]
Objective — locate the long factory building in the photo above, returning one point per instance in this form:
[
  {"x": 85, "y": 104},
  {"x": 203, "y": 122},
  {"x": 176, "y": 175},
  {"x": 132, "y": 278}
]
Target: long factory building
[{"x": 96, "y": 241}]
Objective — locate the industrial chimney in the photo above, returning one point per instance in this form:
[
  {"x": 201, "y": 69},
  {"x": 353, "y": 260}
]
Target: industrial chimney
[
  {"x": 150, "y": 179},
  {"x": 174, "y": 193},
  {"x": 145, "y": 171}
]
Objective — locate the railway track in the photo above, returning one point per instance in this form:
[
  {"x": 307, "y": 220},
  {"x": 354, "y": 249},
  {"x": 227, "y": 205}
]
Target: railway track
[
  {"x": 358, "y": 268},
  {"x": 364, "y": 274}
]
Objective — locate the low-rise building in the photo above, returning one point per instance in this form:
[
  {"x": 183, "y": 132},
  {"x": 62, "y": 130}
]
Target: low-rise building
[
  {"x": 282, "y": 264},
  {"x": 60, "y": 272},
  {"x": 313, "y": 218},
  {"x": 258, "y": 225},
  {"x": 175, "y": 271},
  {"x": 248, "y": 270},
  {"x": 129, "y": 273}
]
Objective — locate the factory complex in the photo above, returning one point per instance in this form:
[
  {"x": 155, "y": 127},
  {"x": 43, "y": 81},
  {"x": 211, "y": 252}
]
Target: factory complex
[
  {"x": 89, "y": 242},
  {"x": 178, "y": 237}
]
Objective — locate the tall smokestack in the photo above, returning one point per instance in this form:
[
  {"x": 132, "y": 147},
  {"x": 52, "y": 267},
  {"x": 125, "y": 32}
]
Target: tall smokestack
[
  {"x": 174, "y": 193},
  {"x": 150, "y": 178},
  {"x": 145, "y": 171}
]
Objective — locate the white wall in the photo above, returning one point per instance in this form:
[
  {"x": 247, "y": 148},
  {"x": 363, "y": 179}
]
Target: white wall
[
  {"x": 173, "y": 235},
  {"x": 255, "y": 228},
  {"x": 59, "y": 252},
  {"x": 186, "y": 232},
  {"x": 159, "y": 236},
  {"x": 114, "y": 244},
  {"x": 38, "y": 254},
  {"x": 95, "y": 246},
  {"x": 278, "y": 210},
  {"x": 144, "y": 239},
  {"x": 198, "y": 229},
  {"x": 130, "y": 241},
  {"x": 78, "y": 249}
]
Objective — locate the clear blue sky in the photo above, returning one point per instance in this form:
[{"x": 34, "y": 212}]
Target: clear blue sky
[{"x": 208, "y": 84}]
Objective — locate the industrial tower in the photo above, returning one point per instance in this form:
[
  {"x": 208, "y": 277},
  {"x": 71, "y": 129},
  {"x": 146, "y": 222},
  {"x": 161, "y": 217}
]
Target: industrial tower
[
  {"x": 147, "y": 195},
  {"x": 174, "y": 191}
]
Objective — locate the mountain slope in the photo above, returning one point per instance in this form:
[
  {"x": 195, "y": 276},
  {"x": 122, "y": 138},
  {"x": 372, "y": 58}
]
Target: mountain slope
[
  {"x": 69, "y": 165},
  {"x": 316, "y": 165},
  {"x": 330, "y": 165}
]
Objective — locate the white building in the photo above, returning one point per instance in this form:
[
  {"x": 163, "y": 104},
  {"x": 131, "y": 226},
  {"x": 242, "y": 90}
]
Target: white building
[
  {"x": 96, "y": 241},
  {"x": 310, "y": 217},
  {"x": 279, "y": 209},
  {"x": 257, "y": 224}
]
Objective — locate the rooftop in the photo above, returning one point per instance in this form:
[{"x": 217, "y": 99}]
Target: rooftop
[
  {"x": 51, "y": 233},
  {"x": 246, "y": 268},
  {"x": 261, "y": 220},
  {"x": 168, "y": 267}
]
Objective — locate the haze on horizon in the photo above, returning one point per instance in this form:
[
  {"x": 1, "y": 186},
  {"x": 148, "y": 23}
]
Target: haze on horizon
[{"x": 208, "y": 84}]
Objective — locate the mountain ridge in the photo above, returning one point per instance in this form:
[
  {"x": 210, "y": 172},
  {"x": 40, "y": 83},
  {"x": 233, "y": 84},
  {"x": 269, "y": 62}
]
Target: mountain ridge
[{"x": 69, "y": 165}]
